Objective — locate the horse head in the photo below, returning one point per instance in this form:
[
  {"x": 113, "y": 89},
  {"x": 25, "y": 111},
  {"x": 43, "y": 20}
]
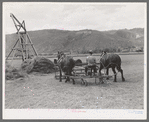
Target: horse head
[
  {"x": 103, "y": 53},
  {"x": 61, "y": 57}
]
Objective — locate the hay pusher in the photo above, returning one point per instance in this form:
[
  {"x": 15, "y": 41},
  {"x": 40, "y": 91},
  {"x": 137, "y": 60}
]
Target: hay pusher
[{"x": 79, "y": 73}]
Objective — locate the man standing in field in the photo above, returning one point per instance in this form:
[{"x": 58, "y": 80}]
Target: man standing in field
[
  {"x": 91, "y": 63},
  {"x": 58, "y": 55}
]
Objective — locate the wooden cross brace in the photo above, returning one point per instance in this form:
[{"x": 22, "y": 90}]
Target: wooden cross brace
[{"x": 18, "y": 25}]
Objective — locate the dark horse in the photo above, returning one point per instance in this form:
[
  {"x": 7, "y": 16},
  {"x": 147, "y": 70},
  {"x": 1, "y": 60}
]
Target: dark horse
[
  {"x": 78, "y": 61},
  {"x": 111, "y": 61},
  {"x": 66, "y": 64}
]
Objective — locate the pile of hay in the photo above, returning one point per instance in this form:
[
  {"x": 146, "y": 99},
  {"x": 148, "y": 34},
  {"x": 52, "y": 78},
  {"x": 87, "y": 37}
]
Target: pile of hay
[
  {"x": 12, "y": 73},
  {"x": 38, "y": 64}
]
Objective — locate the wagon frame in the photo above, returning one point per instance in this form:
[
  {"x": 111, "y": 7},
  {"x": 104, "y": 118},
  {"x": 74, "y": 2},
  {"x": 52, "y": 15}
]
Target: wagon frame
[{"x": 79, "y": 74}]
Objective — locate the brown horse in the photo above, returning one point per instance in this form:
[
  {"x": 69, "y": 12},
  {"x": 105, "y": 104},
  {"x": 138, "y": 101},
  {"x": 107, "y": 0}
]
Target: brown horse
[
  {"x": 78, "y": 62},
  {"x": 66, "y": 64},
  {"x": 111, "y": 61}
]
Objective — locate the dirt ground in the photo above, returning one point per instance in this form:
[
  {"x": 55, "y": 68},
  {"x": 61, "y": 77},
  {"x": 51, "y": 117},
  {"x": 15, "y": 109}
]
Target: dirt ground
[{"x": 45, "y": 92}]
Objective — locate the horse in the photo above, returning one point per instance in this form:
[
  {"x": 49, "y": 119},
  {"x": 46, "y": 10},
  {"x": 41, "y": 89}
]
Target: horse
[
  {"x": 60, "y": 53},
  {"x": 78, "y": 61},
  {"x": 66, "y": 64},
  {"x": 111, "y": 61}
]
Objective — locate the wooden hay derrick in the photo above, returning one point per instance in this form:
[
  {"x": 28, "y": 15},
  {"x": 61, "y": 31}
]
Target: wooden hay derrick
[{"x": 23, "y": 46}]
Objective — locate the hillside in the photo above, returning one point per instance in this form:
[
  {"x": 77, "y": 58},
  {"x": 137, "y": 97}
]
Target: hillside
[{"x": 52, "y": 40}]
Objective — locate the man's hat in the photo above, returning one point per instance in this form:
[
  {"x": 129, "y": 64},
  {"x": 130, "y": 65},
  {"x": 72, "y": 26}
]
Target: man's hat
[
  {"x": 90, "y": 51},
  {"x": 103, "y": 51}
]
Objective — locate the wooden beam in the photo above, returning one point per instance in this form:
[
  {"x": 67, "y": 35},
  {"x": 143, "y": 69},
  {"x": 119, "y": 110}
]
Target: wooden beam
[
  {"x": 11, "y": 15},
  {"x": 22, "y": 26},
  {"x": 32, "y": 45},
  {"x": 12, "y": 49}
]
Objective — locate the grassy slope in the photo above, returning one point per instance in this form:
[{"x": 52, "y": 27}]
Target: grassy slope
[{"x": 48, "y": 41}]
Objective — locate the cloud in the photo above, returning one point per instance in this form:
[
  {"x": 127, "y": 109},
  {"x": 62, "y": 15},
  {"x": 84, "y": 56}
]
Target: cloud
[
  {"x": 107, "y": 17},
  {"x": 75, "y": 16},
  {"x": 129, "y": 16}
]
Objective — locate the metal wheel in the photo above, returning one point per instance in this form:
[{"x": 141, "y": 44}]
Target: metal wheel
[
  {"x": 57, "y": 77},
  {"x": 98, "y": 80}
]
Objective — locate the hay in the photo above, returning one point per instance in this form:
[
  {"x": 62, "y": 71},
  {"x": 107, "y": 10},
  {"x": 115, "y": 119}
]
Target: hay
[
  {"x": 12, "y": 73},
  {"x": 38, "y": 64}
]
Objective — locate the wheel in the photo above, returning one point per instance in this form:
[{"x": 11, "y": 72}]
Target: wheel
[
  {"x": 98, "y": 80},
  {"x": 101, "y": 80},
  {"x": 57, "y": 77}
]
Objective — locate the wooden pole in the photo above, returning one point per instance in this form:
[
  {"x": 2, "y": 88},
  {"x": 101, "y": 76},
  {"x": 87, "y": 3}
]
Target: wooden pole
[
  {"x": 11, "y": 15},
  {"x": 12, "y": 49},
  {"x": 32, "y": 45},
  {"x": 23, "y": 38}
]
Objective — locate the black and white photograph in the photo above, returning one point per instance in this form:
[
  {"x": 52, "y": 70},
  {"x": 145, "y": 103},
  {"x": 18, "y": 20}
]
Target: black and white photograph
[{"x": 74, "y": 60}]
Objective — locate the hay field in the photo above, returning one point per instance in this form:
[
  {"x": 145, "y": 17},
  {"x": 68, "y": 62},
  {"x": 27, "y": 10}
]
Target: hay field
[{"x": 45, "y": 92}]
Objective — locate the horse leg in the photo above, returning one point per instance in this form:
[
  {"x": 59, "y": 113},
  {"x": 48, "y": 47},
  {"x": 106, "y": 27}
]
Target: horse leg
[
  {"x": 107, "y": 73},
  {"x": 60, "y": 77},
  {"x": 113, "y": 69},
  {"x": 86, "y": 68},
  {"x": 91, "y": 71},
  {"x": 94, "y": 69},
  {"x": 67, "y": 79},
  {"x": 70, "y": 72},
  {"x": 73, "y": 81},
  {"x": 99, "y": 72},
  {"x": 123, "y": 79},
  {"x": 120, "y": 70},
  {"x": 100, "y": 75}
]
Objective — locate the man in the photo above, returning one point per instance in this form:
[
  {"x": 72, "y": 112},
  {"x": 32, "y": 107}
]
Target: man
[
  {"x": 58, "y": 55},
  {"x": 91, "y": 63}
]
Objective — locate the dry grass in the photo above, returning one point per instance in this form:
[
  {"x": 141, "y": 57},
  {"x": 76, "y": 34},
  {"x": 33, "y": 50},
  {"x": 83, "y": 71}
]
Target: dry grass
[
  {"x": 13, "y": 73},
  {"x": 38, "y": 64},
  {"x": 49, "y": 93}
]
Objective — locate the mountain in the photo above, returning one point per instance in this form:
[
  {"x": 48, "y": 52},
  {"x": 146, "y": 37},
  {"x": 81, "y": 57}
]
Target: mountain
[{"x": 52, "y": 40}]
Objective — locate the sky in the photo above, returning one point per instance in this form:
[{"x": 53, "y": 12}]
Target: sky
[{"x": 75, "y": 16}]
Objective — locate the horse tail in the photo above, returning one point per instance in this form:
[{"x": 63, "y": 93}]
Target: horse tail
[{"x": 118, "y": 66}]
